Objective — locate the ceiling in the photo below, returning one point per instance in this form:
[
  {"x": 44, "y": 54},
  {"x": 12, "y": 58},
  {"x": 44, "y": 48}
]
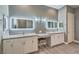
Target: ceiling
[
  {"x": 74, "y": 6},
  {"x": 55, "y": 6},
  {"x": 60, "y": 6}
]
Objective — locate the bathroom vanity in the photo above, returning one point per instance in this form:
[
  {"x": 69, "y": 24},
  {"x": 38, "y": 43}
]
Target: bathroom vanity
[
  {"x": 20, "y": 44},
  {"x": 29, "y": 43},
  {"x": 55, "y": 39},
  {"x": 24, "y": 34}
]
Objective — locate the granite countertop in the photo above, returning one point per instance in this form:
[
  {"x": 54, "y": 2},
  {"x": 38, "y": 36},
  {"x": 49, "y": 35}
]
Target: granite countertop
[
  {"x": 18, "y": 35},
  {"x": 47, "y": 34},
  {"x": 54, "y": 32}
]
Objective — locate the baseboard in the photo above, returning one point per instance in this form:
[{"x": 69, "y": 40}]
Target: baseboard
[
  {"x": 76, "y": 41},
  {"x": 66, "y": 43}
]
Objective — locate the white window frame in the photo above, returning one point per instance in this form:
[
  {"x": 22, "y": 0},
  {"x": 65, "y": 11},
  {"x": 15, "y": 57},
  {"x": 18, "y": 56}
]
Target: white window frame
[
  {"x": 51, "y": 21},
  {"x": 16, "y": 18}
]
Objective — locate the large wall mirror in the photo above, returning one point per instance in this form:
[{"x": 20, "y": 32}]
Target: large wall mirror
[{"x": 21, "y": 24}]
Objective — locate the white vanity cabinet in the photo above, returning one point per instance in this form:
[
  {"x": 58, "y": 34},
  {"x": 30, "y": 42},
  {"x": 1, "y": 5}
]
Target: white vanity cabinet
[
  {"x": 31, "y": 45},
  {"x": 8, "y": 46},
  {"x": 20, "y": 45},
  {"x": 56, "y": 38}
]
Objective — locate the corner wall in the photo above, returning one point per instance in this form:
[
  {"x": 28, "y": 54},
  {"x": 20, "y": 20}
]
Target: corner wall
[{"x": 62, "y": 16}]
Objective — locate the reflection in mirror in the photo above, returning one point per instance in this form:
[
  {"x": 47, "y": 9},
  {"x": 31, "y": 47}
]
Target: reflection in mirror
[
  {"x": 60, "y": 25},
  {"x": 55, "y": 25},
  {"x": 51, "y": 24},
  {"x": 21, "y": 24}
]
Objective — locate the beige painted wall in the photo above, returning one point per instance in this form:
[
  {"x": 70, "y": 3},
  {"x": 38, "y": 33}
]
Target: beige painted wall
[{"x": 77, "y": 24}]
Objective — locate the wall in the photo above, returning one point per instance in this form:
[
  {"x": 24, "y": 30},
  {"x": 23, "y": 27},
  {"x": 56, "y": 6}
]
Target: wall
[
  {"x": 77, "y": 24},
  {"x": 30, "y": 11},
  {"x": 3, "y": 11},
  {"x": 62, "y": 16}
]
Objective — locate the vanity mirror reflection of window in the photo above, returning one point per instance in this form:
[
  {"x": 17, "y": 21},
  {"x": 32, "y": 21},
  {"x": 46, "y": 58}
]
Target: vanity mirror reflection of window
[
  {"x": 51, "y": 24},
  {"x": 21, "y": 23},
  {"x": 61, "y": 25}
]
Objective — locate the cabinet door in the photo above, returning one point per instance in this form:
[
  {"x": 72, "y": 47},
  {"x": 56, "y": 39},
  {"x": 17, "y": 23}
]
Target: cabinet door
[
  {"x": 31, "y": 45},
  {"x": 34, "y": 43},
  {"x": 54, "y": 39},
  {"x": 8, "y": 46},
  {"x": 28, "y": 45},
  {"x": 61, "y": 37},
  {"x": 57, "y": 39},
  {"x": 18, "y": 45}
]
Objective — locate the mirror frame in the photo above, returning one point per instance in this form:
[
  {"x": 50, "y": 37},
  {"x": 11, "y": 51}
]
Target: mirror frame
[
  {"x": 6, "y": 18},
  {"x": 15, "y": 18}
]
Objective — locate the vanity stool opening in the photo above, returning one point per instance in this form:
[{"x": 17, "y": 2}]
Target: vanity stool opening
[{"x": 42, "y": 42}]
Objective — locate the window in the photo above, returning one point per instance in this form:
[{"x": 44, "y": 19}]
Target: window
[
  {"x": 51, "y": 24},
  {"x": 22, "y": 23}
]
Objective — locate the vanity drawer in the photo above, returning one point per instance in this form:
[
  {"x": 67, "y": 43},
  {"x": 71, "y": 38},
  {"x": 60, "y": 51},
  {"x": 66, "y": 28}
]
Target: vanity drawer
[{"x": 8, "y": 46}]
